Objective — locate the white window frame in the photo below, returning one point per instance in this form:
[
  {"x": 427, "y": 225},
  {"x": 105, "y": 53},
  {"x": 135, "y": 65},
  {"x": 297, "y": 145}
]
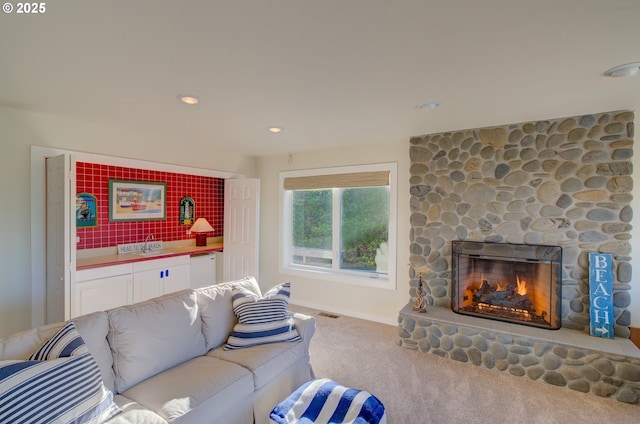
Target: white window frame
[{"x": 373, "y": 280}]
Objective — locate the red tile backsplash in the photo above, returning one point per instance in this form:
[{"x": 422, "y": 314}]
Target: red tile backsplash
[{"x": 207, "y": 192}]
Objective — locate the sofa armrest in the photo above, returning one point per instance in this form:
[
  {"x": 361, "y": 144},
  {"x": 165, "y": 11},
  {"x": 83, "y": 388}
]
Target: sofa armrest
[{"x": 306, "y": 326}]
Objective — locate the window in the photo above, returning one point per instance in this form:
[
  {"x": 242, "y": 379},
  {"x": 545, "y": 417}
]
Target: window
[{"x": 340, "y": 223}]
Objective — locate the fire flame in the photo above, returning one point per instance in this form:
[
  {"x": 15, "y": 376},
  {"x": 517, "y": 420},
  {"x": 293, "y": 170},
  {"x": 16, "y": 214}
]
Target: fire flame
[
  {"x": 502, "y": 285},
  {"x": 521, "y": 288}
]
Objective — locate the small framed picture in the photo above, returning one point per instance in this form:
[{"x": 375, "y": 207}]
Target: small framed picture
[
  {"x": 187, "y": 210},
  {"x": 137, "y": 201},
  {"x": 86, "y": 210}
]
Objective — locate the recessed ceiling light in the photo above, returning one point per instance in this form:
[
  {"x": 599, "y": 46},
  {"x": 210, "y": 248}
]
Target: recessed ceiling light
[
  {"x": 627, "y": 70},
  {"x": 429, "y": 105},
  {"x": 188, "y": 99},
  {"x": 274, "y": 130}
]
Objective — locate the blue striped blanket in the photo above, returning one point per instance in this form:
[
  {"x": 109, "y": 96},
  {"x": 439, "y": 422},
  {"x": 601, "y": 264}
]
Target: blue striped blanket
[{"x": 325, "y": 401}]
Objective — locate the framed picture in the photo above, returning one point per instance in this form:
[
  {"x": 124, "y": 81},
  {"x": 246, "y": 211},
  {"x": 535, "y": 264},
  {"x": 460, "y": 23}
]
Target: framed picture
[
  {"x": 86, "y": 210},
  {"x": 137, "y": 201},
  {"x": 187, "y": 210}
]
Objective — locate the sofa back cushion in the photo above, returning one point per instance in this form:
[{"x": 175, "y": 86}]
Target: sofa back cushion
[
  {"x": 92, "y": 327},
  {"x": 216, "y": 309},
  {"x": 60, "y": 382},
  {"x": 149, "y": 337}
]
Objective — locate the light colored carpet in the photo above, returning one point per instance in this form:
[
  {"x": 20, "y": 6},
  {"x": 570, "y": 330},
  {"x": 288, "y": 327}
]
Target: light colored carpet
[{"x": 419, "y": 388}]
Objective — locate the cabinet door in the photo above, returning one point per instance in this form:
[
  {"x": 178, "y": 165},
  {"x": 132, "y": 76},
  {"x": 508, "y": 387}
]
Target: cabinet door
[
  {"x": 101, "y": 294},
  {"x": 202, "y": 270},
  {"x": 147, "y": 284},
  {"x": 60, "y": 230},
  {"x": 156, "y": 277},
  {"x": 176, "y": 278}
]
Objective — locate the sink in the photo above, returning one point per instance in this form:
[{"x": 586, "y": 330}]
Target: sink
[
  {"x": 152, "y": 253},
  {"x": 136, "y": 248}
]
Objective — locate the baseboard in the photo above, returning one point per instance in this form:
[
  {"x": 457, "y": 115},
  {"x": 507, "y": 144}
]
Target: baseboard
[
  {"x": 635, "y": 336},
  {"x": 339, "y": 311}
]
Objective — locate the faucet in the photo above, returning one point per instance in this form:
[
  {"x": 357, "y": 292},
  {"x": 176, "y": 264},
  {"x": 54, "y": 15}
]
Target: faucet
[{"x": 145, "y": 248}]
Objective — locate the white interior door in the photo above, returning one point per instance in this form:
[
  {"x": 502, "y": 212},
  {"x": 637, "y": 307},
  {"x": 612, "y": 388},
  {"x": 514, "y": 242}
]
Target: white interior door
[
  {"x": 60, "y": 226},
  {"x": 241, "y": 226}
]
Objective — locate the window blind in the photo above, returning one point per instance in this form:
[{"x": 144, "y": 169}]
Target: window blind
[{"x": 354, "y": 179}]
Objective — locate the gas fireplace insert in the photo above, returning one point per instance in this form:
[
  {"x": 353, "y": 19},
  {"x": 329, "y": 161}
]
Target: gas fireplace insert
[{"x": 518, "y": 283}]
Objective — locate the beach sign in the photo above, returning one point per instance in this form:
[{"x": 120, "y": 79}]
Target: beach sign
[{"x": 601, "y": 295}]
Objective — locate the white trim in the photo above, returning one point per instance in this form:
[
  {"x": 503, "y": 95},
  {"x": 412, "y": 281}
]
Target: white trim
[
  {"x": 361, "y": 279},
  {"x": 387, "y": 166},
  {"x": 135, "y": 163},
  {"x": 355, "y": 278},
  {"x": 338, "y": 311},
  {"x": 38, "y": 155}
]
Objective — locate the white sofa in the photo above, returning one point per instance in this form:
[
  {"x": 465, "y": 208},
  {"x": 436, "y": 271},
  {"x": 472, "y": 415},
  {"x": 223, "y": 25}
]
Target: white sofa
[{"x": 164, "y": 361}]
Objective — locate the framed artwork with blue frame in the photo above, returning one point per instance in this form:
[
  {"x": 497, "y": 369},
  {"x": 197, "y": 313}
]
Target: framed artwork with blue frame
[{"x": 86, "y": 210}]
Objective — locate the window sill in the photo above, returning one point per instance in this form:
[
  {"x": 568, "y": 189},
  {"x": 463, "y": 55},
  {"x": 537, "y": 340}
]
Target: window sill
[{"x": 378, "y": 282}]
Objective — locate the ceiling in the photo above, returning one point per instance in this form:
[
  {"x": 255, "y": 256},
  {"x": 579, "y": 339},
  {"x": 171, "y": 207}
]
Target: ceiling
[{"x": 330, "y": 72}]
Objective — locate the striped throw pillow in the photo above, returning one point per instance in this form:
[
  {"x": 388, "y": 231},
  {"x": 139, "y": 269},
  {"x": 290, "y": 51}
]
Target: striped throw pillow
[
  {"x": 263, "y": 319},
  {"x": 66, "y": 342},
  {"x": 59, "y": 383},
  {"x": 325, "y": 401}
]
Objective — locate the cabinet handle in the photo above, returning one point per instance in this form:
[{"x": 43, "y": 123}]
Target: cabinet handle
[{"x": 166, "y": 273}]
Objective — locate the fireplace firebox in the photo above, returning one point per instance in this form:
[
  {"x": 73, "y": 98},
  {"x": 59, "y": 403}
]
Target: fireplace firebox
[{"x": 518, "y": 283}]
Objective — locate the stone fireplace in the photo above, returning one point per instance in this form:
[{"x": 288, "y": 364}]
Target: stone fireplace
[
  {"x": 516, "y": 283},
  {"x": 564, "y": 183}
]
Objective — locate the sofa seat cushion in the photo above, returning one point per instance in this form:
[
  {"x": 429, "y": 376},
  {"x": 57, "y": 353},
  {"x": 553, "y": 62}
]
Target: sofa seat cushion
[
  {"x": 149, "y": 337},
  {"x": 201, "y": 386},
  {"x": 265, "y": 361},
  {"x": 134, "y": 413}
]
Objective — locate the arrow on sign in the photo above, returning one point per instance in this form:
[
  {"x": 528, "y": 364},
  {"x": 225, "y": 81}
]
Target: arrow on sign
[{"x": 602, "y": 330}]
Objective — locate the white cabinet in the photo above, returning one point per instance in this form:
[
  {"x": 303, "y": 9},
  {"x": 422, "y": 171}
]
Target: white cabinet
[
  {"x": 103, "y": 288},
  {"x": 203, "y": 270},
  {"x": 148, "y": 284},
  {"x": 155, "y": 277},
  {"x": 106, "y": 287}
]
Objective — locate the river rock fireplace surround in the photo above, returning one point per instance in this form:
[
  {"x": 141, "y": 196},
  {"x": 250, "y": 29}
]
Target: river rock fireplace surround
[{"x": 564, "y": 182}]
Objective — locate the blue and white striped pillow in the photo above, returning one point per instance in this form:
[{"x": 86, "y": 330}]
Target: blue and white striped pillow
[
  {"x": 325, "y": 401},
  {"x": 66, "y": 342},
  {"x": 263, "y": 319},
  {"x": 60, "y": 382}
]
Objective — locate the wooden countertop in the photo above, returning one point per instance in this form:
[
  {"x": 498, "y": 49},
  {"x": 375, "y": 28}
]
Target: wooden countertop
[{"x": 106, "y": 260}]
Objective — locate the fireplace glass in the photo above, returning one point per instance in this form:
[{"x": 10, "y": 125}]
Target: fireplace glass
[{"x": 518, "y": 283}]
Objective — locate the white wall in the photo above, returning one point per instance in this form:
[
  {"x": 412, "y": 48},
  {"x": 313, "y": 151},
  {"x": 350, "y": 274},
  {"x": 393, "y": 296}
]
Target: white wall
[
  {"x": 377, "y": 305},
  {"x": 18, "y": 131},
  {"x": 369, "y": 303}
]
